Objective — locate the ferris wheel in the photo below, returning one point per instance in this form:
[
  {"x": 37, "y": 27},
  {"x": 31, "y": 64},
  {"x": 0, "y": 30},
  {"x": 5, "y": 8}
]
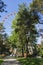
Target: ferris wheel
[
  {"x": 6, "y": 17},
  {"x": 13, "y": 13}
]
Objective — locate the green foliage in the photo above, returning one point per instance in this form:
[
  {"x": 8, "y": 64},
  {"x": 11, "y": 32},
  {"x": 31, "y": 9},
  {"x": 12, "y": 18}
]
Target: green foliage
[
  {"x": 37, "y": 5},
  {"x": 4, "y": 43},
  {"x": 2, "y": 7},
  {"x": 41, "y": 49},
  {"x": 31, "y": 61},
  {"x": 1, "y": 28},
  {"x": 1, "y": 62},
  {"x": 24, "y": 26}
]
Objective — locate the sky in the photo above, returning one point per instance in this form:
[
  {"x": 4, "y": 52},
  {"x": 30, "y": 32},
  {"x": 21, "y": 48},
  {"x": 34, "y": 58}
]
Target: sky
[{"x": 12, "y": 6}]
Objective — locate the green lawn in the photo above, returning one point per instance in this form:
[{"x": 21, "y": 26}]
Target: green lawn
[
  {"x": 31, "y": 61},
  {"x": 1, "y": 61}
]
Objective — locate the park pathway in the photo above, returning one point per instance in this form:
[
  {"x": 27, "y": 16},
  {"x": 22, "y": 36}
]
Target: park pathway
[{"x": 10, "y": 61}]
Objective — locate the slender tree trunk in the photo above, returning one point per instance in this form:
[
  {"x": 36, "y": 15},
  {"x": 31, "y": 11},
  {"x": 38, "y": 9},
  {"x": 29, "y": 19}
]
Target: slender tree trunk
[
  {"x": 22, "y": 51},
  {"x": 27, "y": 48}
]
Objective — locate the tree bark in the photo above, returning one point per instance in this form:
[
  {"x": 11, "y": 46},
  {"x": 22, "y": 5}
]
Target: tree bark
[
  {"x": 22, "y": 52},
  {"x": 27, "y": 48}
]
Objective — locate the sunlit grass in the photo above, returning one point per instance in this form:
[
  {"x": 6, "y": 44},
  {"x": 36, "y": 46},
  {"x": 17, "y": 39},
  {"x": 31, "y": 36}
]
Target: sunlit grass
[
  {"x": 31, "y": 61},
  {"x": 1, "y": 61}
]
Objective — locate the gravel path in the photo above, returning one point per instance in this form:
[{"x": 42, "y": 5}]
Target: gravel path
[{"x": 10, "y": 62}]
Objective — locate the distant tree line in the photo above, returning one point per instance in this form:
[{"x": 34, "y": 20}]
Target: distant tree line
[{"x": 4, "y": 43}]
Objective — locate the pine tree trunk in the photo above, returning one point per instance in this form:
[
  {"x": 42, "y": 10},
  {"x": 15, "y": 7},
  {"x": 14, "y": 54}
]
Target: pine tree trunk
[
  {"x": 22, "y": 52},
  {"x": 27, "y": 48}
]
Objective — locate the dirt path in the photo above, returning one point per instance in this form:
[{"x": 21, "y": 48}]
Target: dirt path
[{"x": 10, "y": 61}]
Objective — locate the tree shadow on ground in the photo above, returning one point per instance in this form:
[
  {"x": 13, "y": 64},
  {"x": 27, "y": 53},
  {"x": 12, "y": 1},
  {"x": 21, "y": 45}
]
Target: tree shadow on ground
[{"x": 31, "y": 61}]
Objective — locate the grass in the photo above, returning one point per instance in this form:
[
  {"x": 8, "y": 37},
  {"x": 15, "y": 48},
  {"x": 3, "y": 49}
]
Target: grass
[
  {"x": 1, "y": 57},
  {"x": 1, "y": 61},
  {"x": 31, "y": 61}
]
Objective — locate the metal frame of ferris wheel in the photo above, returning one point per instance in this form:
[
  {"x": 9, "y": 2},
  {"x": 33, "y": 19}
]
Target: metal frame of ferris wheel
[
  {"x": 13, "y": 13},
  {"x": 6, "y": 17}
]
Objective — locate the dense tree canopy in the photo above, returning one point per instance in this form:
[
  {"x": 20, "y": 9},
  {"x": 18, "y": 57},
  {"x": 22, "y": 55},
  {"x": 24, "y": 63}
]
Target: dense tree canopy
[
  {"x": 4, "y": 43},
  {"x": 37, "y": 5},
  {"x": 24, "y": 32},
  {"x": 24, "y": 26},
  {"x": 2, "y": 6}
]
